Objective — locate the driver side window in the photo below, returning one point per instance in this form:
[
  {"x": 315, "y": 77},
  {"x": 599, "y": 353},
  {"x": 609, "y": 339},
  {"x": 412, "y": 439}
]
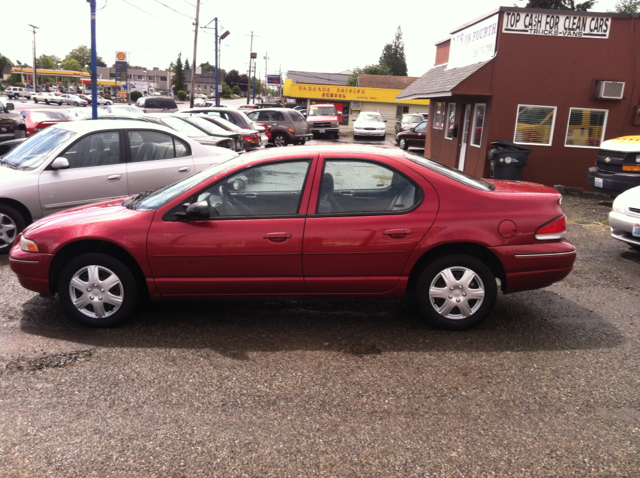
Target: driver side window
[{"x": 273, "y": 189}]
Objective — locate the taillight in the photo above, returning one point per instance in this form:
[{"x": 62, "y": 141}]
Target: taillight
[{"x": 555, "y": 229}]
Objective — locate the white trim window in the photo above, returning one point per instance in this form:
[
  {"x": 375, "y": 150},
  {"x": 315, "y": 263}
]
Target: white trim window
[
  {"x": 585, "y": 128},
  {"x": 438, "y": 118},
  {"x": 449, "y": 132},
  {"x": 535, "y": 124},
  {"x": 478, "y": 124}
]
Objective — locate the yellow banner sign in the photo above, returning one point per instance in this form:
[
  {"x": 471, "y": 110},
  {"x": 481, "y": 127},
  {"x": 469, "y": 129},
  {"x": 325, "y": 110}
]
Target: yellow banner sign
[{"x": 345, "y": 93}]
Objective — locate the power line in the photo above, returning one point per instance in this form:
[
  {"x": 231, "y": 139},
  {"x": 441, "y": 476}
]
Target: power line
[
  {"x": 134, "y": 6},
  {"x": 173, "y": 9}
]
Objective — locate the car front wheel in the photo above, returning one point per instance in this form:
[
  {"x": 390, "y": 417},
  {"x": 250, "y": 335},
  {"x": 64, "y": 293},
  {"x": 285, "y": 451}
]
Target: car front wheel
[
  {"x": 97, "y": 290},
  {"x": 279, "y": 140},
  {"x": 11, "y": 224},
  {"x": 403, "y": 144},
  {"x": 456, "y": 292},
  {"x": 75, "y": 103}
]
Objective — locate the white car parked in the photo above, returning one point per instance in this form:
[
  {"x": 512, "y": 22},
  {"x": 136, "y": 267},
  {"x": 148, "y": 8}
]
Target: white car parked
[
  {"x": 73, "y": 100},
  {"x": 624, "y": 219},
  {"x": 80, "y": 162},
  {"x": 370, "y": 123},
  {"x": 47, "y": 98}
]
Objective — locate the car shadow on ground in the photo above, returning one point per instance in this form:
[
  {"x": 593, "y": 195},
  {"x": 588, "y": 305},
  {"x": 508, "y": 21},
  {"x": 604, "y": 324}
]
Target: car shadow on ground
[{"x": 519, "y": 322}]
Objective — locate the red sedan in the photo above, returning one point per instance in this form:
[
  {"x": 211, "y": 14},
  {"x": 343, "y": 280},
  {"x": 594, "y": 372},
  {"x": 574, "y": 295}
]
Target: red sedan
[
  {"x": 37, "y": 120},
  {"x": 349, "y": 222}
]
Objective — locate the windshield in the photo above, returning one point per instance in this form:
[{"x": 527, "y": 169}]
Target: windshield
[
  {"x": 412, "y": 119},
  {"x": 30, "y": 154},
  {"x": 322, "y": 111},
  {"x": 451, "y": 173},
  {"x": 183, "y": 127},
  {"x": 370, "y": 117},
  {"x": 168, "y": 193}
]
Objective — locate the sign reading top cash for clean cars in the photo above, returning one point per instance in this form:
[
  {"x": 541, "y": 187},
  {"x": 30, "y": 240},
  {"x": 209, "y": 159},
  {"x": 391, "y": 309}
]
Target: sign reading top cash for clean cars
[{"x": 546, "y": 24}]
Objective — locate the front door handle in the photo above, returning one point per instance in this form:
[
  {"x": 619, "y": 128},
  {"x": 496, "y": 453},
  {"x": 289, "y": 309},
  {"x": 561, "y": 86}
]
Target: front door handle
[
  {"x": 184, "y": 169},
  {"x": 397, "y": 233},
  {"x": 115, "y": 177},
  {"x": 277, "y": 236}
]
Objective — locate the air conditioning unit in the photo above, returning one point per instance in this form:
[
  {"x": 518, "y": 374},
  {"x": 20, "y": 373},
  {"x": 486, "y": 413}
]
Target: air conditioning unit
[{"x": 610, "y": 90}]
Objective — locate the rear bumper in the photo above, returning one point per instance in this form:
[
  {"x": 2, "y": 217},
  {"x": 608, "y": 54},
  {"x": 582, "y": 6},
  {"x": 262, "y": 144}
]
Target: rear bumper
[
  {"x": 613, "y": 183},
  {"x": 299, "y": 137},
  {"x": 529, "y": 267}
]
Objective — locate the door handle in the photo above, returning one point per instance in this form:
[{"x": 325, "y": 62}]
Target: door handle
[
  {"x": 184, "y": 169},
  {"x": 277, "y": 236},
  {"x": 115, "y": 177},
  {"x": 397, "y": 233}
]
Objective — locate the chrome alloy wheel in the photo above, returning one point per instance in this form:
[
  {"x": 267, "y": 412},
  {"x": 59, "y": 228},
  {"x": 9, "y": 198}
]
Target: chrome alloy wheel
[
  {"x": 456, "y": 293},
  {"x": 96, "y": 292},
  {"x": 8, "y": 231}
]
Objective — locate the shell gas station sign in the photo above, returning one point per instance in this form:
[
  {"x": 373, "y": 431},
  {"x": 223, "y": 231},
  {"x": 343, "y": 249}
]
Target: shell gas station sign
[{"x": 345, "y": 93}]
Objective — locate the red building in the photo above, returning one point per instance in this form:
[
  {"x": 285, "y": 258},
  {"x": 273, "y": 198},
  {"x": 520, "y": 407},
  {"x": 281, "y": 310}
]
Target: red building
[{"x": 558, "y": 82}]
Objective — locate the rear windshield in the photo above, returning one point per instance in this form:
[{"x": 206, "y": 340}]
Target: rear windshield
[
  {"x": 451, "y": 173},
  {"x": 166, "y": 103}
]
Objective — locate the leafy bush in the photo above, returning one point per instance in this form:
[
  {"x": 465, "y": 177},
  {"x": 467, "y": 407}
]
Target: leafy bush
[
  {"x": 106, "y": 96},
  {"x": 182, "y": 95},
  {"x": 135, "y": 94}
]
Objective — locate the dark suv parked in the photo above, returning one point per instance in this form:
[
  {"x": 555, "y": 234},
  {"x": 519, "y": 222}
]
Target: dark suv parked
[
  {"x": 11, "y": 124},
  {"x": 284, "y": 126}
]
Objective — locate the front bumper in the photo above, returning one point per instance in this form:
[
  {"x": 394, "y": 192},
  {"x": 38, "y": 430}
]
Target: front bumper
[
  {"x": 32, "y": 268},
  {"x": 622, "y": 227},
  {"x": 326, "y": 130},
  {"x": 369, "y": 132},
  {"x": 612, "y": 183}
]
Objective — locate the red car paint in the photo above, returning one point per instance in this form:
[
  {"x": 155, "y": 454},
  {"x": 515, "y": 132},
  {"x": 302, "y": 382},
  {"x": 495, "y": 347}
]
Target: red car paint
[
  {"x": 308, "y": 254},
  {"x": 38, "y": 119}
]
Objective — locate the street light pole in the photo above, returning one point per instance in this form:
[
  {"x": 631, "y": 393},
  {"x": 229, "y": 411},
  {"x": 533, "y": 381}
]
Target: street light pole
[
  {"x": 35, "y": 78},
  {"x": 195, "y": 49},
  {"x": 94, "y": 62}
]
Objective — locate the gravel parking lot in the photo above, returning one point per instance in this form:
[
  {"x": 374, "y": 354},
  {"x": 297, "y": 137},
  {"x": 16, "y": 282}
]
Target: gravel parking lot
[{"x": 547, "y": 386}]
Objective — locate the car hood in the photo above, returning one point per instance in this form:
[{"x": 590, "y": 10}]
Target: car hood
[
  {"x": 8, "y": 175},
  {"x": 322, "y": 118}
]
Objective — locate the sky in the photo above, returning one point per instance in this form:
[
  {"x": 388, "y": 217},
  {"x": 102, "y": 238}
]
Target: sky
[{"x": 320, "y": 36}]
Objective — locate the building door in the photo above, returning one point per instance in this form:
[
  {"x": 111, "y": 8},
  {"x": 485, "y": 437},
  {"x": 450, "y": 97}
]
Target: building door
[{"x": 464, "y": 137}]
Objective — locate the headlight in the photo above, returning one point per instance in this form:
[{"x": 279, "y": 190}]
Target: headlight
[
  {"x": 334, "y": 123},
  {"x": 27, "y": 245},
  {"x": 618, "y": 206}
]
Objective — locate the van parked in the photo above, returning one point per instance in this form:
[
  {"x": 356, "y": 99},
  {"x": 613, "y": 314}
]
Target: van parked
[{"x": 157, "y": 104}]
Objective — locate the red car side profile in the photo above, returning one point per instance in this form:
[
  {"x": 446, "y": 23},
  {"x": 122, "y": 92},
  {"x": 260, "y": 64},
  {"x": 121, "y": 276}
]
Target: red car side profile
[
  {"x": 37, "y": 120},
  {"x": 321, "y": 222}
]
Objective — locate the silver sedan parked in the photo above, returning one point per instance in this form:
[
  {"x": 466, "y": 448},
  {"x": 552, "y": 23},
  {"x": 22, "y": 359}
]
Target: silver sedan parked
[
  {"x": 73, "y": 100},
  {"x": 80, "y": 162}
]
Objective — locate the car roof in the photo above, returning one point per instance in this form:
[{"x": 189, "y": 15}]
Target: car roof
[
  {"x": 333, "y": 150},
  {"x": 99, "y": 124}
]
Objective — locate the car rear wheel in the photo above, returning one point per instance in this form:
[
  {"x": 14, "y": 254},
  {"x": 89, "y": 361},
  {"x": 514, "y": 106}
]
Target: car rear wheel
[
  {"x": 11, "y": 224},
  {"x": 456, "y": 292},
  {"x": 75, "y": 103},
  {"x": 279, "y": 140},
  {"x": 35, "y": 101},
  {"x": 403, "y": 144},
  {"x": 97, "y": 290},
  {"x": 46, "y": 101}
]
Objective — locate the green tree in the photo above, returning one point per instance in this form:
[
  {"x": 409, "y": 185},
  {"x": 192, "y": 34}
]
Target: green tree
[
  {"x": 15, "y": 79},
  {"x": 627, "y": 6},
  {"x": 207, "y": 67},
  {"x": 393, "y": 55},
  {"x": 179, "y": 80},
  {"x": 134, "y": 95},
  {"x": 4, "y": 61},
  {"x": 561, "y": 5},
  {"x": 368, "y": 70},
  {"x": 70, "y": 64},
  {"x": 82, "y": 55},
  {"x": 186, "y": 64},
  {"x": 226, "y": 91},
  {"x": 182, "y": 95},
  {"x": 236, "y": 90}
]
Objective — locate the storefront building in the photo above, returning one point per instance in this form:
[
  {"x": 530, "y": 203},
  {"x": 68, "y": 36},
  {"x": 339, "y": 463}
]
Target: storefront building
[
  {"x": 558, "y": 82},
  {"x": 350, "y": 100}
]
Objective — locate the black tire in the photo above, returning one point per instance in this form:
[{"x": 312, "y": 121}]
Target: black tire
[
  {"x": 403, "y": 144},
  {"x": 46, "y": 101},
  {"x": 444, "y": 288},
  {"x": 75, "y": 283},
  {"x": 337, "y": 135},
  {"x": 11, "y": 224},
  {"x": 75, "y": 103},
  {"x": 280, "y": 140},
  {"x": 35, "y": 101}
]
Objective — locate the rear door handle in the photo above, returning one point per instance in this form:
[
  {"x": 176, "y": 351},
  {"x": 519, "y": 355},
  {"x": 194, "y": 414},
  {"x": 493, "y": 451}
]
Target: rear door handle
[
  {"x": 397, "y": 233},
  {"x": 115, "y": 177},
  {"x": 184, "y": 169},
  {"x": 277, "y": 236}
]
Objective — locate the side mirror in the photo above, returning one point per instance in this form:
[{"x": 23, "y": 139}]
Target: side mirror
[
  {"x": 198, "y": 210},
  {"x": 60, "y": 163},
  {"x": 385, "y": 121},
  {"x": 10, "y": 106}
]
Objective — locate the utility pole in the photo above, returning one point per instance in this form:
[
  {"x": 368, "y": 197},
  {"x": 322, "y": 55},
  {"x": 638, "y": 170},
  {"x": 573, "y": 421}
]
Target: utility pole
[
  {"x": 195, "y": 48},
  {"x": 266, "y": 72},
  {"x": 94, "y": 62},
  {"x": 35, "y": 78}
]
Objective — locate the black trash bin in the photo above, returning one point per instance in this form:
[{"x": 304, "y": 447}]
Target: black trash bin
[{"x": 507, "y": 159}]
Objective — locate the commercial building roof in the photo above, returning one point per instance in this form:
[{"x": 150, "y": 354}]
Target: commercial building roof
[
  {"x": 385, "y": 81},
  {"x": 338, "y": 79}
]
